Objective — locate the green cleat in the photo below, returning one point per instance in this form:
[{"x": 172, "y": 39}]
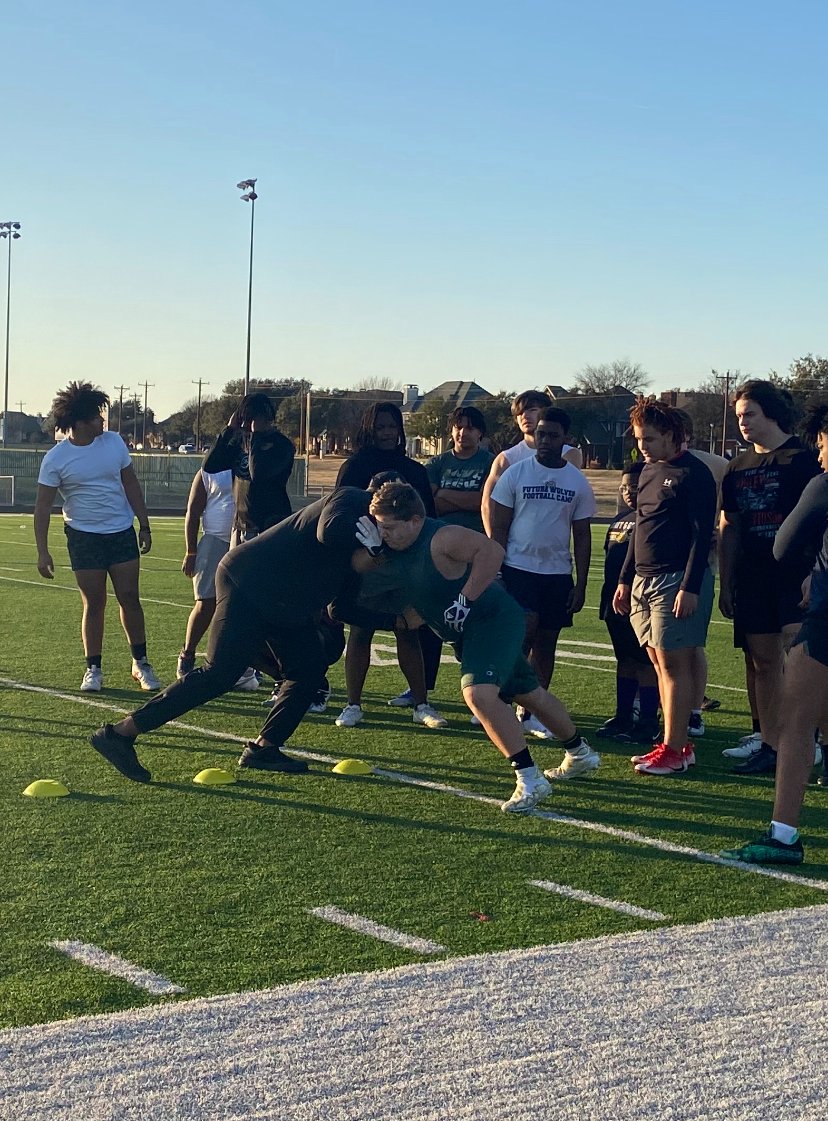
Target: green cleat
[{"x": 766, "y": 850}]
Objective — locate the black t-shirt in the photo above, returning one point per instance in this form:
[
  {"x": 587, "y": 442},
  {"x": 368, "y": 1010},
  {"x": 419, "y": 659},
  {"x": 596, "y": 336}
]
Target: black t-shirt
[
  {"x": 359, "y": 470},
  {"x": 292, "y": 570},
  {"x": 674, "y": 521},
  {"x": 763, "y": 488},
  {"x": 803, "y": 537},
  {"x": 261, "y": 463},
  {"x": 616, "y": 544}
]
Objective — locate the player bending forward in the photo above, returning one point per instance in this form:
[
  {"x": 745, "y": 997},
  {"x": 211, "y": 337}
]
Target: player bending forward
[{"x": 446, "y": 574}]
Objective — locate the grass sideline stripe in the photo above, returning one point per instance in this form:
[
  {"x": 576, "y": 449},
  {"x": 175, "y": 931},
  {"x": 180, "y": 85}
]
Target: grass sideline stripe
[
  {"x": 96, "y": 958},
  {"x": 458, "y": 792},
  {"x": 377, "y": 930},
  {"x": 599, "y": 900}
]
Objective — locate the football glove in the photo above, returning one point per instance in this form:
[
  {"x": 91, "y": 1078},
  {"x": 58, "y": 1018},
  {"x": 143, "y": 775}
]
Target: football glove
[
  {"x": 456, "y": 615},
  {"x": 369, "y": 536}
]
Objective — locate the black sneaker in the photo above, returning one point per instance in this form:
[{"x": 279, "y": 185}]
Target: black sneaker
[
  {"x": 767, "y": 850},
  {"x": 710, "y": 704},
  {"x": 120, "y": 752},
  {"x": 695, "y": 726},
  {"x": 645, "y": 732},
  {"x": 762, "y": 762},
  {"x": 271, "y": 759},
  {"x": 615, "y": 726}
]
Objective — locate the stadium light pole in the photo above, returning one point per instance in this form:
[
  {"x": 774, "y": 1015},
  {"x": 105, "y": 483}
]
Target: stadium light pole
[
  {"x": 250, "y": 196},
  {"x": 11, "y": 230}
]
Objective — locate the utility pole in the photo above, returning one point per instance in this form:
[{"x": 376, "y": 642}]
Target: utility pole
[
  {"x": 135, "y": 403},
  {"x": 120, "y": 389},
  {"x": 146, "y": 385},
  {"x": 725, "y": 377},
  {"x": 199, "y": 383}
]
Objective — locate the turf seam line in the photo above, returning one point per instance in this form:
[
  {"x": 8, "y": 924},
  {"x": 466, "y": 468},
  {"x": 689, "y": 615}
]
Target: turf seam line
[
  {"x": 599, "y": 900},
  {"x": 458, "y": 792},
  {"x": 93, "y": 956},
  {"x": 376, "y": 930}
]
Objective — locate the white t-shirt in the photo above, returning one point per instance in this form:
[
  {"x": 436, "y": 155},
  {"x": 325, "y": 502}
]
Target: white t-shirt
[
  {"x": 217, "y": 519},
  {"x": 545, "y": 501},
  {"x": 89, "y": 481}
]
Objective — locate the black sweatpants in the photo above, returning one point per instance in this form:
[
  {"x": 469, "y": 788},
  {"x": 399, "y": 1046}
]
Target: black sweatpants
[{"x": 241, "y": 635}]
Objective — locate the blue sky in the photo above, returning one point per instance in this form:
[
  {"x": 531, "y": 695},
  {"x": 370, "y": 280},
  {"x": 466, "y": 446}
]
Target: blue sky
[{"x": 502, "y": 192}]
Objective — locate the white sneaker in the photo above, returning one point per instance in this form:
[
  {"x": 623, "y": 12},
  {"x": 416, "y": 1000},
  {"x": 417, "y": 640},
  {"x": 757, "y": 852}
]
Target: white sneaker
[
  {"x": 92, "y": 680},
  {"x": 747, "y": 746},
  {"x": 578, "y": 763},
  {"x": 320, "y": 704},
  {"x": 350, "y": 715},
  {"x": 248, "y": 682},
  {"x": 425, "y": 714},
  {"x": 475, "y": 721},
  {"x": 533, "y": 727},
  {"x": 144, "y": 674},
  {"x": 530, "y": 788}
]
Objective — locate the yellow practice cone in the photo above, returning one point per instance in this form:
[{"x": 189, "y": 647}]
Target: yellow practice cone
[
  {"x": 352, "y": 767},
  {"x": 214, "y": 776},
  {"x": 46, "y": 788}
]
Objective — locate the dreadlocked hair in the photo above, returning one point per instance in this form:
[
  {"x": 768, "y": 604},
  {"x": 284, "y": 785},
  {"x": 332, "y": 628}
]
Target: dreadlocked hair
[
  {"x": 647, "y": 411},
  {"x": 79, "y": 401},
  {"x": 365, "y": 435}
]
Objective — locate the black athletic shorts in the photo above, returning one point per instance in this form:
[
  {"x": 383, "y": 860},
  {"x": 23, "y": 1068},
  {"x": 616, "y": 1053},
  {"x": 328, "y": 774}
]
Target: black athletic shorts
[
  {"x": 625, "y": 644},
  {"x": 544, "y": 594},
  {"x": 813, "y": 635},
  {"x": 764, "y": 602},
  {"x": 100, "y": 550}
]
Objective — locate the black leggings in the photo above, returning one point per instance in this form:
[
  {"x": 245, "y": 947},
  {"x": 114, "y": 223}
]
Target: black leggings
[{"x": 241, "y": 636}]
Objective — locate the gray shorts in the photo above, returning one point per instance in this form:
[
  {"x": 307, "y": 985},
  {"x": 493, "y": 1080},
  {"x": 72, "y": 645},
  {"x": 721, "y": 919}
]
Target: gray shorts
[
  {"x": 652, "y": 618},
  {"x": 209, "y": 552}
]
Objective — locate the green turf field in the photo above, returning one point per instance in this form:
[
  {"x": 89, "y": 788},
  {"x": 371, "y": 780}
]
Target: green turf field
[{"x": 212, "y": 888}]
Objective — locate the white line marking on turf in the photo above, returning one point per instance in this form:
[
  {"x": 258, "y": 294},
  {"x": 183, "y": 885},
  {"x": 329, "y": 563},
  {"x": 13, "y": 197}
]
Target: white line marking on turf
[
  {"x": 99, "y": 959},
  {"x": 599, "y": 901},
  {"x": 74, "y": 588},
  {"x": 457, "y": 792},
  {"x": 377, "y": 930}
]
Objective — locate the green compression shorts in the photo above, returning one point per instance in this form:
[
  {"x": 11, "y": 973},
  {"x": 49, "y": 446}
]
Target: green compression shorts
[{"x": 490, "y": 650}]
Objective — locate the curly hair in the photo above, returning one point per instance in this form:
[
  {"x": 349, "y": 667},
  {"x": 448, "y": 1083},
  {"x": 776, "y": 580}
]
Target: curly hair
[
  {"x": 365, "y": 435},
  {"x": 816, "y": 421},
  {"x": 399, "y": 501},
  {"x": 655, "y": 414},
  {"x": 79, "y": 401},
  {"x": 776, "y": 403}
]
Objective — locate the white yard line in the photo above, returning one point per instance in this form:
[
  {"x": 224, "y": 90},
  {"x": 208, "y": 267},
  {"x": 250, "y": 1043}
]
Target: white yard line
[
  {"x": 599, "y": 900},
  {"x": 470, "y": 795},
  {"x": 96, "y": 958},
  {"x": 50, "y": 584},
  {"x": 376, "y": 930}
]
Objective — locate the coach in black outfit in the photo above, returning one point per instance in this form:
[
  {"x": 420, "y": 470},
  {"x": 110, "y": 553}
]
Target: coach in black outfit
[{"x": 271, "y": 594}]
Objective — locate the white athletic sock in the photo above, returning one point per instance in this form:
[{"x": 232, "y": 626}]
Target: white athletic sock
[{"x": 784, "y": 833}]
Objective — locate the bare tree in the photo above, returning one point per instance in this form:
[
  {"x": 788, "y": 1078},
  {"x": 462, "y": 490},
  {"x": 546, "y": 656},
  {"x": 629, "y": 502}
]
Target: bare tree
[
  {"x": 620, "y": 374},
  {"x": 379, "y": 381}
]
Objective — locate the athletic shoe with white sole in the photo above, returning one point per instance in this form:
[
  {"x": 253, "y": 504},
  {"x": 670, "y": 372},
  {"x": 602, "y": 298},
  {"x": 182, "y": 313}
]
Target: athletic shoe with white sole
[
  {"x": 575, "y": 763},
  {"x": 120, "y": 752},
  {"x": 320, "y": 703},
  {"x": 404, "y": 700},
  {"x": 144, "y": 674},
  {"x": 662, "y": 760},
  {"x": 616, "y": 726},
  {"x": 350, "y": 715},
  {"x": 248, "y": 682},
  {"x": 747, "y": 746},
  {"x": 429, "y": 716},
  {"x": 531, "y": 787},
  {"x": 689, "y": 755},
  {"x": 475, "y": 721},
  {"x": 696, "y": 725},
  {"x": 533, "y": 727},
  {"x": 92, "y": 680},
  {"x": 185, "y": 665}
]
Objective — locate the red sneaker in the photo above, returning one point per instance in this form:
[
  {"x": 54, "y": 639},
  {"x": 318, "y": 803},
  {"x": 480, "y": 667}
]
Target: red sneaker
[
  {"x": 689, "y": 755},
  {"x": 654, "y": 753},
  {"x": 663, "y": 761}
]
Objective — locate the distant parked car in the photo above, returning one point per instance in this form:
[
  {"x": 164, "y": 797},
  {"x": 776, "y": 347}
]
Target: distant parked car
[{"x": 187, "y": 449}]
